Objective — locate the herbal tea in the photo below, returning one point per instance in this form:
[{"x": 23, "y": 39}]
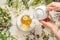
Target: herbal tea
[{"x": 26, "y": 20}]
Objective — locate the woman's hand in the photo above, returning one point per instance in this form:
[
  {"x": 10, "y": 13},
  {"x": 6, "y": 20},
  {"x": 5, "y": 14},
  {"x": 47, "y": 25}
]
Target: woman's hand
[
  {"x": 53, "y": 27},
  {"x": 53, "y": 6}
]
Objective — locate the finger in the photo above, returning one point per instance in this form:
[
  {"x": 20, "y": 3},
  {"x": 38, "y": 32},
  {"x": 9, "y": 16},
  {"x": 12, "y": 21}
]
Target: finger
[
  {"x": 51, "y": 4},
  {"x": 58, "y": 34},
  {"x": 50, "y": 8},
  {"x": 51, "y": 26}
]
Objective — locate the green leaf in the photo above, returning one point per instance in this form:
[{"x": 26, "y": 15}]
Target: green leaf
[
  {"x": 27, "y": 38},
  {"x": 9, "y": 2},
  {"x": 16, "y": 4},
  {"x": 3, "y": 36},
  {"x": 35, "y": 2},
  {"x": 48, "y": 1},
  {"x": 25, "y": 3}
]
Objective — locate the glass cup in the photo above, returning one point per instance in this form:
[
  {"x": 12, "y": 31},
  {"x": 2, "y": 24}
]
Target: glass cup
[{"x": 40, "y": 13}]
